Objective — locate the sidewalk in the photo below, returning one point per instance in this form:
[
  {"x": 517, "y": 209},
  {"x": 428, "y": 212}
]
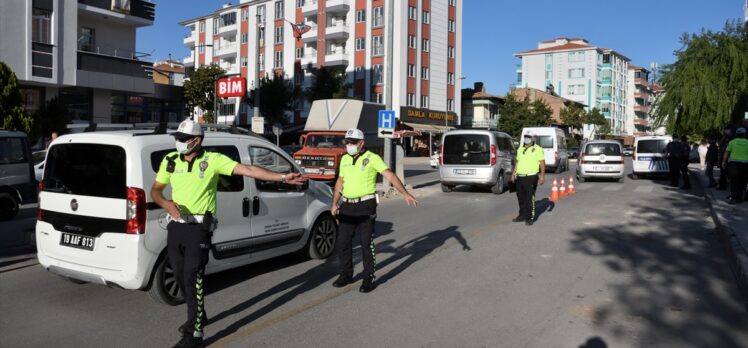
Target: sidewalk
[{"x": 732, "y": 228}]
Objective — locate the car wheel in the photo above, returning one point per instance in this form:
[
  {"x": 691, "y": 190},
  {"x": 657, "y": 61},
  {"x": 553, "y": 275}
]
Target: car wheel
[
  {"x": 557, "y": 170},
  {"x": 323, "y": 237},
  {"x": 447, "y": 188},
  {"x": 164, "y": 288},
  {"x": 635, "y": 176},
  {"x": 498, "y": 188},
  {"x": 619, "y": 179},
  {"x": 8, "y": 206},
  {"x": 581, "y": 179}
]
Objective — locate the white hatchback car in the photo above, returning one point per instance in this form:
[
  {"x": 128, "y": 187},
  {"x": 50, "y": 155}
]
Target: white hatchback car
[
  {"x": 98, "y": 224},
  {"x": 600, "y": 159}
]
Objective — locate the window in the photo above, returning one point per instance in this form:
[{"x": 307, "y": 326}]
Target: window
[
  {"x": 299, "y": 3},
  {"x": 519, "y": 78},
  {"x": 201, "y": 49},
  {"x": 87, "y": 41},
  {"x": 360, "y": 44},
  {"x": 261, "y": 14},
  {"x": 278, "y": 61},
  {"x": 227, "y": 19},
  {"x": 576, "y": 90},
  {"x": 412, "y": 41},
  {"x": 451, "y": 26},
  {"x": 412, "y": 13},
  {"x": 72, "y": 168},
  {"x": 424, "y": 101},
  {"x": 378, "y": 45},
  {"x": 278, "y": 35},
  {"x": 426, "y": 45},
  {"x": 299, "y": 52},
  {"x": 41, "y": 31},
  {"x": 377, "y": 74},
  {"x": 279, "y": 10},
  {"x": 451, "y": 52},
  {"x": 359, "y": 73},
  {"x": 378, "y": 20},
  {"x": 426, "y": 17},
  {"x": 378, "y": 98},
  {"x": 243, "y": 62},
  {"x": 201, "y": 26},
  {"x": 245, "y": 38},
  {"x": 245, "y": 14},
  {"x": 360, "y": 16},
  {"x": 411, "y": 99},
  {"x": 411, "y": 70},
  {"x": 12, "y": 151},
  {"x": 451, "y": 78},
  {"x": 261, "y": 62},
  {"x": 450, "y": 105},
  {"x": 576, "y": 73},
  {"x": 424, "y": 73},
  {"x": 576, "y": 57},
  {"x": 548, "y": 75},
  {"x": 270, "y": 160},
  {"x": 452, "y": 2},
  {"x": 261, "y": 34}
]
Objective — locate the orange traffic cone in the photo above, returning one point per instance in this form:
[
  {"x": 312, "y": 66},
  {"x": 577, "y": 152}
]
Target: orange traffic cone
[
  {"x": 562, "y": 188},
  {"x": 554, "y": 191},
  {"x": 571, "y": 186}
]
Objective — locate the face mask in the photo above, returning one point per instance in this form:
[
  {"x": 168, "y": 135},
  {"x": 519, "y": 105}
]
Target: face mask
[
  {"x": 184, "y": 148},
  {"x": 527, "y": 141},
  {"x": 352, "y": 149}
]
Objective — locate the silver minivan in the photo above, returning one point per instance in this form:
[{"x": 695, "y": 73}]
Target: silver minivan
[
  {"x": 17, "y": 183},
  {"x": 482, "y": 158}
]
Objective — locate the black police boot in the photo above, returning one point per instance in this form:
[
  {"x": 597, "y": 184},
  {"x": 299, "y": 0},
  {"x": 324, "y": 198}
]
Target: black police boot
[
  {"x": 342, "y": 281},
  {"x": 519, "y": 218},
  {"x": 529, "y": 222},
  {"x": 367, "y": 285},
  {"x": 187, "y": 326},
  {"x": 189, "y": 342}
]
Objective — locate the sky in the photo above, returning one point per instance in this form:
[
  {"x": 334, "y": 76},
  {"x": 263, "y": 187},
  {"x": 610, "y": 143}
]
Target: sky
[{"x": 493, "y": 30}]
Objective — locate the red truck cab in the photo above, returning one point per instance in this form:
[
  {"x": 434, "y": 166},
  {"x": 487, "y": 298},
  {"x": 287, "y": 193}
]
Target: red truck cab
[{"x": 320, "y": 154}]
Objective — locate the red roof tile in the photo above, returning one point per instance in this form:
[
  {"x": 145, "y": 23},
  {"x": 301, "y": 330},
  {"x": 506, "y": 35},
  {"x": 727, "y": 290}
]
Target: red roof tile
[{"x": 566, "y": 47}]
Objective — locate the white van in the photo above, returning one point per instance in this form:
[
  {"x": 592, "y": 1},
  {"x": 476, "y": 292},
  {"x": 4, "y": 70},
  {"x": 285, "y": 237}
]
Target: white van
[
  {"x": 97, "y": 222},
  {"x": 553, "y": 142},
  {"x": 649, "y": 156}
]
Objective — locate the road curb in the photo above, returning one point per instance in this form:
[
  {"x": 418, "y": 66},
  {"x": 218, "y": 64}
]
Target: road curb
[{"x": 737, "y": 257}]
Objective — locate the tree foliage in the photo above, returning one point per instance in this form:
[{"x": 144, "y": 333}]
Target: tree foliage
[
  {"x": 573, "y": 115},
  {"x": 11, "y": 104},
  {"x": 329, "y": 83},
  {"x": 200, "y": 90},
  {"x": 600, "y": 124},
  {"x": 517, "y": 114},
  {"x": 707, "y": 87},
  {"x": 277, "y": 95}
]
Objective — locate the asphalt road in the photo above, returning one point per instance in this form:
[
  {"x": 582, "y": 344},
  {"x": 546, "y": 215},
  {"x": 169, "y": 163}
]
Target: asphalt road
[{"x": 631, "y": 264}]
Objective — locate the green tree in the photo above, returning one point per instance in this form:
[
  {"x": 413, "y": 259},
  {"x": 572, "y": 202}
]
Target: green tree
[
  {"x": 707, "y": 87},
  {"x": 277, "y": 95},
  {"x": 600, "y": 124},
  {"x": 199, "y": 90},
  {"x": 517, "y": 114},
  {"x": 11, "y": 104},
  {"x": 329, "y": 83},
  {"x": 572, "y": 115}
]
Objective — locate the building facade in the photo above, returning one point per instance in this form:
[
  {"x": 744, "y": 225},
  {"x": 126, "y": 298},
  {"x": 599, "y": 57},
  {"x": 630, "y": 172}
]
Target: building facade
[
  {"x": 578, "y": 71},
  {"x": 83, "y": 52},
  {"x": 640, "y": 99},
  {"x": 168, "y": 72},
  {"x": 417, "y": 72},
  {"x": 479, "y": 108}
]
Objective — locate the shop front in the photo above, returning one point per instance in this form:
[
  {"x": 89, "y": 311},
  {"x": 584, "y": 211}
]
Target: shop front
[{"x": 430, "y": 124}]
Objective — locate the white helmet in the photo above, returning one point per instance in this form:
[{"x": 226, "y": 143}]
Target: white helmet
[
  {"x": 188, "y": 129},
  {"x": 355, "y": 134}
]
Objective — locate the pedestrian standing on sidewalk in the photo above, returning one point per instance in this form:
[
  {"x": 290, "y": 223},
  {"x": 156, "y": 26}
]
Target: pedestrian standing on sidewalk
[
  {"x": 354, "y": 204},
  {"x": 193, "y": 175},
  {"x": 673, "y": 150},
  {"x": 712, "y": 160},
  {"x": 736, "y": 161},
  {"x": 529, "y": 171},
  {"x": 726, "y": 137},
  {"x": 685, "y": 153},
  {"x": 702, "y": 154}
]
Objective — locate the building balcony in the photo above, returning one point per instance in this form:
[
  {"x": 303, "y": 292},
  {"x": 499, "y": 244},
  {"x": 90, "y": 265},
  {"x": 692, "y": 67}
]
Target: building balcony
[
  {"x": 519, "y": 67},
  {"x": 641, "y": 122},
  {"x": 228, "y": 30},
  {"x": 337, "y": 32},
  {"x": 309, "y": 58},
  {"x": 641, "y": 109},
  {"x": 641, "y": 82},
  {"x": 101, "y": 71},
  {"x": 310, "y": 8},
  {"x": 189, "y": 61},
  {"x": 231, "y": 69},
  {"x": 605, "y": 98},
  {"x": 311, "y": 35},
  {"x": 337, "y": 6},
  {"x": 336, "y": 57},
  {"x": 190, "y": 39},
  {"x": 138, "y": 13},
  {"x": 226, "y": 50}
]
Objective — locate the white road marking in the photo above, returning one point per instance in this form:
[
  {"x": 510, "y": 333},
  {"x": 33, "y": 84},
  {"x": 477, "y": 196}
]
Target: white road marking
[
  {"x": 644, "y": 189},
  {"x": 613, "y": 188}
]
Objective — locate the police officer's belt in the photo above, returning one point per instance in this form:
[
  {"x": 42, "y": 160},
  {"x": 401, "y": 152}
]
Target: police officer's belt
[
  {"x": 359, "y": 199},
  {"x": 527, "y": 174},
  {"x": 187, "y": 219}
]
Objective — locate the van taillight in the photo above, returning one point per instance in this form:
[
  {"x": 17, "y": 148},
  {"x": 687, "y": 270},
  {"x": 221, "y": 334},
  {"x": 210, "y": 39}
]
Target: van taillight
[
  {"x": 136, "y": 208},
  {"x": 555, "y": 156},
  {"x": 493, "y": 154},
  {"x": 40, "y": 187},
  {"x": 441, "y": 155},
  {"x": 581, "y": 159}
]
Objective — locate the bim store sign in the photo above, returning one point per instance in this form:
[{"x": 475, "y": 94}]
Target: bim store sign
[
  {"x": 426, "y": 116},
  {"x": 231, "y": 87}
]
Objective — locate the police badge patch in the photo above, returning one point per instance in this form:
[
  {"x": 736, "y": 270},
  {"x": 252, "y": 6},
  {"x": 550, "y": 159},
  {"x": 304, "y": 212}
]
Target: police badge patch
[
  {"x": 363, "y": 165},
  {"x": 203, "y": 167}
]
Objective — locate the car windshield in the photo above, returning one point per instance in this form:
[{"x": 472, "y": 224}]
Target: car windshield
[
  {"x": 651, "y": 146},
  {"x": 467, "y": 149},
  {"x": 544, "y": 141},
  {"x": 325, "y": 140},
  {"x": 603, "y": 149}
]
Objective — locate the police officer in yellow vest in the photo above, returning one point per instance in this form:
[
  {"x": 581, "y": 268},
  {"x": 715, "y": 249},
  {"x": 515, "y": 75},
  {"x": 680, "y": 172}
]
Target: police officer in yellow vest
[
  {"x": 529, "y": 171},
  {"x": 354, "y": 204},
  {"x": 193, "y": 175}
]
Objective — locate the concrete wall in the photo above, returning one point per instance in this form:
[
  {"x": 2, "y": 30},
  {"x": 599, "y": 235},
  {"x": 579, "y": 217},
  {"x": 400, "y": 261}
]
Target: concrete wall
[{"x": 15, "y": 36}]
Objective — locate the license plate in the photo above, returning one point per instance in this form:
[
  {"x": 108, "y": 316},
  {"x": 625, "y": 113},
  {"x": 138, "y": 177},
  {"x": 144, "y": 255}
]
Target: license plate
[
  {"x": 312, "y": 170},
  {"x": 464, "y": 171},
  {"x": 76, "y": 241},
  {"x": 602, "y": 169}
]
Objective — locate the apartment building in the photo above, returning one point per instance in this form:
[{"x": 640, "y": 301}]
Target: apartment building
[
  {"x": 419, "y": 69},
  {"x": 480, "y": 109},
  {"x": 83, "y": 52},
  {"x": 640, "y": 99},
  {"x": 168, "y": 72},
  {"x": 581, "y": 72}
]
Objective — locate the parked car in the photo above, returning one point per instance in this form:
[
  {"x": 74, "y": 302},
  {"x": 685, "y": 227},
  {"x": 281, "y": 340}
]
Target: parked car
[
  {"x": 434, "y": 160},
  {"x": 17, "y": 184},
  {"x": 601, "y": 159},
  {"x": 553, "y": 142},
  {"x": 480, "y": 158},
  {"x": 38, "y": 157},
  {"x": 97, "y": 222},
  {"x": 649, "y": 156},
  {"x": 628, "y": 151},
  {"x": 573, "y": 151}
]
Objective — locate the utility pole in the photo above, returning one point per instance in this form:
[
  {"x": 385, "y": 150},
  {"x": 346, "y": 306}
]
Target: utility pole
[
  {"x": 388, "y": 92},
  {"x": 258, "y": 26}
]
